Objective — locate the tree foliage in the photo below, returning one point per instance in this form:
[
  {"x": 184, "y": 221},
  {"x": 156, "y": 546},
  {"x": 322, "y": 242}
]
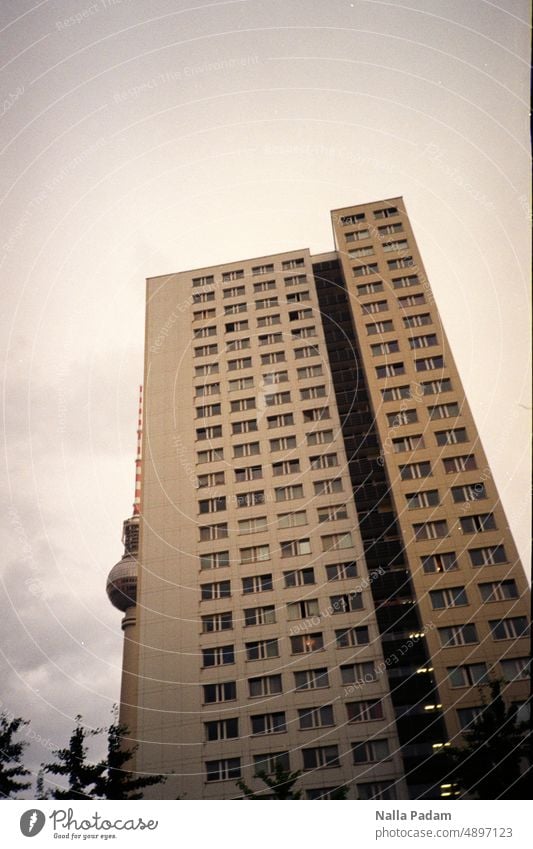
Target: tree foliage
[
  {"x": 11, "y": 751},
  {"x": 115, "y": 780},
  {"x": 74, "y": 765}
]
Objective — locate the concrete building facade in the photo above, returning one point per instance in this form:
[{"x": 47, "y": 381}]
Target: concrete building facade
[{"x": 325, "y": 571}]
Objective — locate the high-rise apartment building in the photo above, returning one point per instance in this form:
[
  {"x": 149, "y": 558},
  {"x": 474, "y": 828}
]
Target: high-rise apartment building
[{"x": 325, "y": 572}]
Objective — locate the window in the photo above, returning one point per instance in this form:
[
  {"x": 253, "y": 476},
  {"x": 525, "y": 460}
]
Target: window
[
  {"x": 396, "y": 393},
  {"x": 266, "y": 303},
  {"x": 268, "y": 763},
  {"x": 271, "y": 358},
  {"x": 211, "y": 479},
  {"x": 210, "y": 456},
  {"x": 288, "y": 264},
  {"x": 418, "y": 320},
  {"x": 247, "y": 426},
  {"x": 286, "y": 467},
  {"x": 458, "y": 635},
  {"x": 516, "y": 668},
  {"x": 352, "y": 637},
  {"x": 207, "y": 389},
  {"x": 509, "y": 629},
  {"x": 263, "y": 269},
  {"x": 273, "y": 377},
  {"x": 429, "y": 363},
  {"x": 212, "y": 432},
  {"x": 365, "y": 711},
  {"x": 357, "y": 235},
  {"x": 233, "y": 309},
  {"x": 268, "y": 723},
  {"x": 203, "y": 332},
  {"x": 498, "y": 591},
  {"x": 318, "y": 717},
  {"x": 469, "y": 492},
  {"x": 237, "y": 274},
  {"x": 477, "y": 524},
  {"x": 390, "y": 370},
  {"x": 416, "y": 470},
  {"x": 305, "y": 643},
  {"x": 488, "y": 556},
  {"x": 468, "y": 675},
  {"x": 376, "y": 790},
  {"x": 261, "y": 649},
  {"x": 333, "y": 542},
  {"x": 208, "y": 532},
  {"x": 411, "y": 301},
  {"x": 201, "y": 315},
  {"x": 379, "y": 327},
  {"x": 289, "y": 493},
  {"x": 386, "y": 212},
  {"x": 311, "y": 679},
  {"x": 217, "y": 622},
  {"x": 203, "y": 297},
  {"x": 283, "y": 443},
  {"x": 250, "y": 499},
  {"x": 268, "y": 320},
  {"x": 295, "y": 280},
  {"x": 316, "y": 414},
  {"x": 242, "y": 362},
  {"x": 459, "y": 464},
  {"x": 396, "y": 245},
  {"x": 431, "y": 530},
  {"x": 266, "y": 685},
  {"x": 347, "y": 602},
  {"x": 257, "y": 584},
  {"x": 443, "y": 411},
  {"x": 252, "y": 526},
  {"x": 451, "y": 437},
  {"x": 369, "y": 288},
  {"x": 214, "y": 560},
  {"x": 292, "y": 520},
  {"x": 358, "y": 673},
  {"x": 255, "y": 554},
  {"x": 448, "y": 597},
  {"x": 373, "y": 751},
  {"x": 249, "y": 473},
  {"x": 365, "y": 270},
  {"x": 321, "y": 757},
  {"x": 208, "y": 410},
  {"x": 341, "y": 571},
  {"x": 319, "y": 437},
  {"x": 354, "y": 218},
  {"x": 402, "y": 417},
  {"x": 224, "y": 692},
  {"x": 403, "y": 262},
  {"x": 324, "y": 461},
  {"x": 246, "y": 449},
  {"x": 302, "y": 609},
  {"x": 281, "y": 420},
  {"x": 446, "y": 562},
  {"x": 425, "y": 498},
  {"x": 383, "y": 348},
  {"x": 218, "y": 656},
  {"x": 260, "y": 615},
  {"x": 403, "y": 283},
  {"x": 299, "y": 577},
  {"x": 304, "y": 353},
  {"x": 208, "y": 368},
  {"x": 407, "y": 443},
  {"x": 218, "y": 589},
  {"x": 423, "y": 341},
  {"x": 328, "y": 487},
  {"x": 332, "y": 513},
  {"x": 295, "y": 548},
  {"x": 221, "y": 729},
  {"x": 278, "y": 398},
  {"x": 357, "y": 253},
  {"x": 271, "y": 339},
  {"x": 237, "y": 327},
  {"x": 223, "y": 770},
  {"x": 312, "y": 392},
  {"x": 298, "y": 297},
  {"x": 206, "y": 280},
  {"x": 374, "y": 306},
  {"x": 212, "y": 505},
  {"x": 435, "y": 387},
  {"x": 309, "y": 371},
  {"x": 303, "y": 333},
  {"x": 468, "y": 716}
]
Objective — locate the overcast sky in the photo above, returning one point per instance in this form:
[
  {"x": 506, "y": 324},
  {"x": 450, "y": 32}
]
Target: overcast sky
[{"x": 144, "y": 138}]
